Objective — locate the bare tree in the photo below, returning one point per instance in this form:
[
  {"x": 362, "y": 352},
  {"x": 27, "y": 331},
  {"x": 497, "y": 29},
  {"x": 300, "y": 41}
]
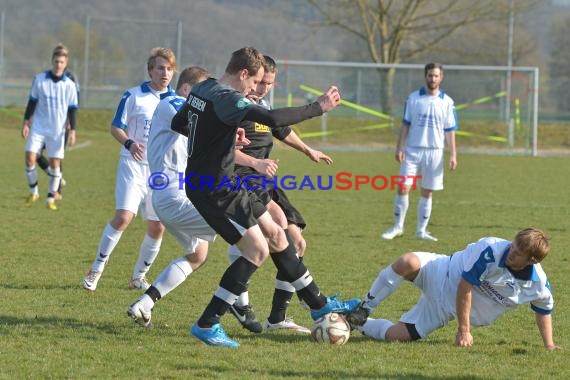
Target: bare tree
[{"x": 398, "y": 31}]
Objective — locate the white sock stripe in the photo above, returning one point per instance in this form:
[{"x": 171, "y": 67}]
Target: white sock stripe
[
  {"x": 54, "y": 172},
  {"x": 183, "y": 265},
  {"x": 225, "y": 295},
  {"x": 303, "y": 281},
  {"x": 284, "y": 285}
]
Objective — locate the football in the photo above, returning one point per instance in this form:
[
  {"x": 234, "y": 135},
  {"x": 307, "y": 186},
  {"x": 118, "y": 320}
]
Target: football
[{"x": 331, "y": 328}]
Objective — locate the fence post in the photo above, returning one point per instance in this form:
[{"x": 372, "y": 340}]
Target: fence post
[{"x": 86, "y": 61}]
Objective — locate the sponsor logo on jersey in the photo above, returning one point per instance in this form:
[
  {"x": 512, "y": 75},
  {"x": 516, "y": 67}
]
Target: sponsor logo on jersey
[
  {"x": 242, "y": 103},
  {"x": 262, "y": 128}
]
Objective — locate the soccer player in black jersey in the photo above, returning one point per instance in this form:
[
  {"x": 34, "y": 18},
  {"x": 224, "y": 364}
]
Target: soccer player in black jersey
[
  {"x": 253, "y": 163},
  {"x": 210, "y": 119}
]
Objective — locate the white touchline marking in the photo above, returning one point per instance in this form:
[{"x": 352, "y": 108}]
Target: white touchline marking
[{"x": 84, "y": 144}]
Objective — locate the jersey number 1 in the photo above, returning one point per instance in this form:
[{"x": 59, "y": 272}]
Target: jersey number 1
[{"x": 192, "y": 122}]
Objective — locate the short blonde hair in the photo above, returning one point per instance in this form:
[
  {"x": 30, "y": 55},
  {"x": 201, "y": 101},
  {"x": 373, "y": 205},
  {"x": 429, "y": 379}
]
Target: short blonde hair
[
  {"x": 534, "y": 242},
  {"x": 163, "y": 52}
]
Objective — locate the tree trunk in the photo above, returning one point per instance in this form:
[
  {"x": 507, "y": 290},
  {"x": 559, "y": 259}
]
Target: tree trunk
[{"x": 386, "y": 89}]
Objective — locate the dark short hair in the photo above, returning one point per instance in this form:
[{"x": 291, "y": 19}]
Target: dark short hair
[
  {"x": 431, "y": 66},
  {"x": 248, "y": 58},
  {"x": 192, "y": 75},
  {"x": 270, "y": 65}
]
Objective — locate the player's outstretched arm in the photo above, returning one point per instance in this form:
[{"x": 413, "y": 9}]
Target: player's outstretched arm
[
  {"x": 282, "y": 117},
  {"x": 463, "y": 309},
  {"x": 544, "y": 324},
  {"x": 330, "y": 99},
  {"x": 294, "y": 141}
]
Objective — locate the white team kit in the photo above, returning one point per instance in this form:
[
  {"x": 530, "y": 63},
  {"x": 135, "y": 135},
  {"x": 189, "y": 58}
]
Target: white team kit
[
  {"x": 496, "y": 289},
  {"x": 134, "y": 115},
  {"x": 428, "y": 117},
  {"x": 54, "y": 99},
  {"x": 167, "y": 153}
]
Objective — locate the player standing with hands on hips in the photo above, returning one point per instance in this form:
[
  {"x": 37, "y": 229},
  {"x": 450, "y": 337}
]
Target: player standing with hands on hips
[{"x": 429, "y": 120}]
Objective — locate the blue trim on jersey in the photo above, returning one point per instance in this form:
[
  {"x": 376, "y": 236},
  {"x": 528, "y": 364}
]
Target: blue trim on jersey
[
  {"x": 423, "y": 92},
  {"x": 538, "y": 310},
  {"x": 503, "y": 260},
  {"x": 117, "y": 119},
  {"x": 169, "y": 92},
  {"x": 33, "y": 99},
  {"x": 145, "y": 87},
  {"x": 456, "y": 125},
  {"x": 49, "y": 75},
  {"x": 473, "y": 276},
  {"x": 177, "y": 103},
  {"x": 533, "y": 274}
]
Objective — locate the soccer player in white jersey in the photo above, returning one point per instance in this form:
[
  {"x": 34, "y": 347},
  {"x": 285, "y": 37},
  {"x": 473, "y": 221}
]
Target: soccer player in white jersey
[
  {"x": 474, "y": 286},
  {"x": 130, "y": 127},
  {"x": 52, "y": 101},
  {"x": 429, "y": 120},
  {"x": 167, "y": 157}
]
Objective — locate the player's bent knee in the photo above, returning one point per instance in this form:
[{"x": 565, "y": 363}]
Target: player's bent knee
[
  {"x": 122, "y": 220},
  {"x": 402, "y": 332},
  {"x": 155, "y": 229},
  {"x": 407, "y": 265}
]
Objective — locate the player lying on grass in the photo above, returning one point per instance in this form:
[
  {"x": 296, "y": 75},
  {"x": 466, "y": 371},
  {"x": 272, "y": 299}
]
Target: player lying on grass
[{"x": 475, "y": 285}]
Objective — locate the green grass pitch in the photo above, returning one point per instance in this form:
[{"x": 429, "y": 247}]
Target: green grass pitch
[{"x": 51, "y": 328}]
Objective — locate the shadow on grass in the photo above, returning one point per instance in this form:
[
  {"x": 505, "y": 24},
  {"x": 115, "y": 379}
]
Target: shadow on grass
[
  {"x": 55, "y": 322},
  {"x": 39, "y": 286}
]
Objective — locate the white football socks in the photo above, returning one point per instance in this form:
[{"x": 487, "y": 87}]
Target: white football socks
[
  {"x": 174, "y": 275},
  {"x": 54, "y": 179},
  {"x": 32, "y": 177},
  {"x": 147, "y": 254},
  {"x": 424, "y": 213},
  {"x": 108, "y": 242},
  {"x": 375, "y": 328},
  {"x": 401, "y": 203},
  {"x": 384, "y": 285}
]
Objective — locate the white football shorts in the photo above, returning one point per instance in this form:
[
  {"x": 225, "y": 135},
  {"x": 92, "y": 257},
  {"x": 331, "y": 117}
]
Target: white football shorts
[
  {"x": 430, "y": 313},
  {"x": 181, "y": 218},
  {"x": 425, "y": 162},
  {"x": 54, "y": 144},
  {"x": 131, "y": 188}
]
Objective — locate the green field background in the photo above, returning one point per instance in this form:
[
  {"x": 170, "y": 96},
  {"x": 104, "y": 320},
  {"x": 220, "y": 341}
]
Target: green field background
[{"x": 51, "y": 328}]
